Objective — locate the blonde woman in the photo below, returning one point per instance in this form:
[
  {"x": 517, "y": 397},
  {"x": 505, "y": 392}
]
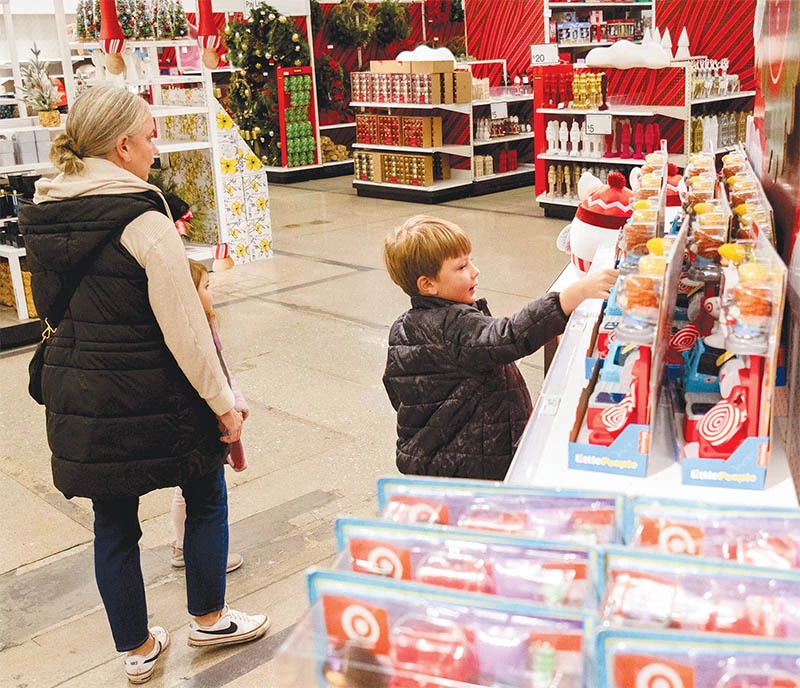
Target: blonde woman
[{"x": 135, "y": 395}]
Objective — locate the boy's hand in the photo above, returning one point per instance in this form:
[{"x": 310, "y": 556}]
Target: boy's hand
[{"x": 595, "y": 286}]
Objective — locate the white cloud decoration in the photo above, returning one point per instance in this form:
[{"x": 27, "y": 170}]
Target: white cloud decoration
[
  {"x": 424, "y": 52},
  {"x": 624, "y": 55}
]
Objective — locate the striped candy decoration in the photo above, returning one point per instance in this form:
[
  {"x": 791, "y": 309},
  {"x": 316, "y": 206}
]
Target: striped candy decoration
[
  {"x": 722, "y": 421},
  {"x": 684, "y": 339}
]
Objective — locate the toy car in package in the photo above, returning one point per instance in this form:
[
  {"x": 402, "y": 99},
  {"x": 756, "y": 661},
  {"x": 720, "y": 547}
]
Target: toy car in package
[
  {"x": 577, "y": 516},
  {"x": 544, "y": 572},
  {"x": 378, "y": 632},
  {"x": 656, "y": 591},
  {"x": 760, "y": 536},
  {"x": 628, "y": 658}
]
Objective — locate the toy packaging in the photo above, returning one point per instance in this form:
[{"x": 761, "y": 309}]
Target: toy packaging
[
  {"x": 372, "y": 631},
  {"x": 754, "y": 536},
  {"x": 577, "y": 516},
  {"x": 634, "y": 659},
  {"x": 656, "y": 591},
  {"x": 549, "y": 573}
]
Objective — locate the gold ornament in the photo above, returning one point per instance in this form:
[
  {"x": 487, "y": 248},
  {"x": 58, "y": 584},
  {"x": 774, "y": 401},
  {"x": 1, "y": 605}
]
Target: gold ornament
[
  {"x": 298, "y": 63},
  {"x": 271, "y": 17},
  {"x": 282, "y": 19},
  {"x": 295, "y": 37}
]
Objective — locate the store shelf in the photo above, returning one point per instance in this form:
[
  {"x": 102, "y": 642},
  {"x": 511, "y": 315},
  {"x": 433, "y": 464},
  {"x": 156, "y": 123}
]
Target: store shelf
[
  {"x": 463, "y": 151},
  {"x": 32, "y": 167},
  {"x": 289, "y": 175},
  {"x": 586, "y": 158},
  {"x": 156, "y": 80},
  {"x": 453, "y": 107},
  {"x": 544, "y": 199},
  {"x": 341, "y": 125},
  {"x": 514, "y": 179},
  {"x": 727, "y": 96},
  {"x": 438, "y": 192},
  {"x": 175, "y": 111},
  {"x": 175, "y": 43},
  {"x": 502, "y": 139},
  {"x": 614, "y": 111},
  {"x": 180, "y": 146},
  {"x": 11, "y": 251},
  {"x": 522, "y": 98},
  {"x": 564, "y": 6}
]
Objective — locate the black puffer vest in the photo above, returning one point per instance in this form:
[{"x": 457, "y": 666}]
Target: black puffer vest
[
  {"x": 122, "y": 419},
  {"x": 461, "y": 401}
]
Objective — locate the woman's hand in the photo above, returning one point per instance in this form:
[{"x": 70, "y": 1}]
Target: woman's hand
[{"x": 230, "y": 425}]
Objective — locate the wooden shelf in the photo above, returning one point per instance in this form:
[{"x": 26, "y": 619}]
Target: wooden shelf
[{"x": 502, "y": 139}]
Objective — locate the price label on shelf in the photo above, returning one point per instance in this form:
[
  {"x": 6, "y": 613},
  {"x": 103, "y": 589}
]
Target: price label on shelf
[
  {"x": 544, "y": 54},
  {"x": 499, "y": 110},
  {"x": 598, "y": 124}
]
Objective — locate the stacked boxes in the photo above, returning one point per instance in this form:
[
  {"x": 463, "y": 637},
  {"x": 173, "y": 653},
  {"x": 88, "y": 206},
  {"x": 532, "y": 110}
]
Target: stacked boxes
[
  {"x": 429, "y": 82},
  {"x": 394, "y": 130},
  {"x": 400, "y": 168}
]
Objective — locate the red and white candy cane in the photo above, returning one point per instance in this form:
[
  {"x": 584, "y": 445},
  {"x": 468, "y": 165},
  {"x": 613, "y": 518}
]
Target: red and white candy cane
[
  {"x": 208, "y": 37},
  {"x": 112, "y": 40}
]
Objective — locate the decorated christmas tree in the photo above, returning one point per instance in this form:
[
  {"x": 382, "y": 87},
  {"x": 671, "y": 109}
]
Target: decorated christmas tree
[
  {"x": 144, "y": 20},
  {"x": 179, "y": 22},
  {"x": 127, "y": 17},
  {"x": 95, "y": 17},
  {"x": 163, "y": 19},
  {"x": 258, "y": 46}
]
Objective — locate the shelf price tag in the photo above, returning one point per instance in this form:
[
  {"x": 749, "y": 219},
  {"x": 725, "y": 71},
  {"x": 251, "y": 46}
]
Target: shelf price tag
[
  {"x": 598, "y": 124},
  {"x": 498, "y": 110},
  {"x": 544, "y": 54}
]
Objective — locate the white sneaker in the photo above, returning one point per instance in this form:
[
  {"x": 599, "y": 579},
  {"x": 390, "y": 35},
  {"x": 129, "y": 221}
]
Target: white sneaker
[
  {"x": 233, "y": 627},
  {"x": 139, "y": 668}
]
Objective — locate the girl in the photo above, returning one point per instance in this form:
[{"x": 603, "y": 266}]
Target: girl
[{"x": 236, "y": 459}]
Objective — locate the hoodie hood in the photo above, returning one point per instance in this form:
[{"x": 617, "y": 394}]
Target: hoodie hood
[{"x": 99, "y": 177}]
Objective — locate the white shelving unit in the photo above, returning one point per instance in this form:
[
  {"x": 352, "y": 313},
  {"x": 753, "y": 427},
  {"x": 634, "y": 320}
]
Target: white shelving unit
[{"x": 12, "y": 255}]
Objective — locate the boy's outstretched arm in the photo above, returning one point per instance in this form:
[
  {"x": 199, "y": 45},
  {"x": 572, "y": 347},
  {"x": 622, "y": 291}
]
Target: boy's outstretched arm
[{"x": 595, "y": 286}]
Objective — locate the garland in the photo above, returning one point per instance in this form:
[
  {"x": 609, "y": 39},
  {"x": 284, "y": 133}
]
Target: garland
[
  {"x": 317, "y": 16},
  {"x": 351, "y": 24},
  {"x": 392, "y": 22}
]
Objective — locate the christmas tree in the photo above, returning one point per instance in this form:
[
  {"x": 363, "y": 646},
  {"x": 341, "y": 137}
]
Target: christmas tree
[
  {"x": 144, "y": 20},
  {"x": 80, "y": 21},
  {"x": 179, "y": 22},
  {"x": 163, "y": 20},
  {"x": 95, "y": 17},
  {"x": 127, "y": 17},
  {"x": 258, "y": 46}
]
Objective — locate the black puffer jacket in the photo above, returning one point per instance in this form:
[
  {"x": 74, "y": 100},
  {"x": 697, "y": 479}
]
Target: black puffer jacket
[
  {"x": 461, "y": 401},
  {"x": 122, "y": 419}
]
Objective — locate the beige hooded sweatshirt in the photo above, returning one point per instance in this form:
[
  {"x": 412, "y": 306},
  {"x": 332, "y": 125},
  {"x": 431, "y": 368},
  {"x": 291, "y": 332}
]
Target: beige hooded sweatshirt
[{"x": 154, "y": 243}]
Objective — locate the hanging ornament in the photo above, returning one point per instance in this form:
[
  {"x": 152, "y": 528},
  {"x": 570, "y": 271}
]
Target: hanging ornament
[
  {"x": 112, "y": 40},
  {"x": 271, "y": 17},
  {"x": 207, "y": 37},
  {"x": 295, "y": 37},
  {"x": 282, "y": 19}
]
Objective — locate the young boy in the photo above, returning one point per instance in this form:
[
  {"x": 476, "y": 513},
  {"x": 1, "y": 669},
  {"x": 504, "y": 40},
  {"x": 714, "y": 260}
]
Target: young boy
[{"x": 461, "y": 401}]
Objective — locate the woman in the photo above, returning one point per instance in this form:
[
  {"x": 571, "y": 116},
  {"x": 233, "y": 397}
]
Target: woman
[{"x": 134, "y": 393}]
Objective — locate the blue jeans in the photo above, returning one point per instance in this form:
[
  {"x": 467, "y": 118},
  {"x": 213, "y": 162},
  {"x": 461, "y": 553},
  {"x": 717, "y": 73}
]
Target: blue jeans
[{"x": 117, "y": 566}]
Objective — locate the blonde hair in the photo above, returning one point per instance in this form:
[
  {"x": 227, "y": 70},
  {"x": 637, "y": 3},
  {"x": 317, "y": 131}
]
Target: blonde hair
[
  {"x": 95, "y": 121},
  {"x": 198, "y": 271},
  {"x": 419, "y": 247}
]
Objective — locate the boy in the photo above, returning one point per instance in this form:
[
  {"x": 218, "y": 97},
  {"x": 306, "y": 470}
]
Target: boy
[{"x": 461, "y": 402}]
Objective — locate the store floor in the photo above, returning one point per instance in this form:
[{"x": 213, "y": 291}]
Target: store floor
[{"x": 305, "y": 335}]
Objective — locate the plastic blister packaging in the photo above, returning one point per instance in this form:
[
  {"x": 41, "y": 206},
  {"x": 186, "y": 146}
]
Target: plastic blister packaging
[
  {"x": 757, "y": 536},
  {"x": 654, "y": 591},
  {"x": 584, "y": 517},
  {"x": 409, "y": 636},
  {"x": 668, "y": 659},
  {"x": 543, "y": 572}
]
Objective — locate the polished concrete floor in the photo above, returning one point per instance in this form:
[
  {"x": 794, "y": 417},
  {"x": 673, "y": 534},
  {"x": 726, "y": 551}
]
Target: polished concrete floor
[{"x": 305, "y": 335}]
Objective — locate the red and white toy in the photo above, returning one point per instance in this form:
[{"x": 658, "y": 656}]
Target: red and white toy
[{"x": 603, "y": 210}]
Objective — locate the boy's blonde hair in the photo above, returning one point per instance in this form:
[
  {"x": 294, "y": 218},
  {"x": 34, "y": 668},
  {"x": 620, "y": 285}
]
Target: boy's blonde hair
[{"x": 419, "y": 247}]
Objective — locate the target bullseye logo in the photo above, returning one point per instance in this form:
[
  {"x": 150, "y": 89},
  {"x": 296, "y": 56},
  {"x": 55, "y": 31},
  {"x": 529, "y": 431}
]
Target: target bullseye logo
[
  {"x": 684, "y": 339},
  {"x": 676, "y": 540},
  {"x": 360, "y": 624},
  {"x": 658, "y": 676},
  {"x": 386, "y": 562},
  {"x": 721, "y": 423},
  {"x": 422, "y": 513}
]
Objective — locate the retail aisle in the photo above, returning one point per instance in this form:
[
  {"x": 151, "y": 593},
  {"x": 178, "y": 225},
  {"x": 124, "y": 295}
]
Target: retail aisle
[{"x": 305, "y": 335}]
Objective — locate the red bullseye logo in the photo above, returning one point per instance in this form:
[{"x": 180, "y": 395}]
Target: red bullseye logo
[
  {"x": 721, "y": 423},
  {"x": 658, "y": 676},
  {"x": 684, "y": 339},
  {"x": 676, "y": 540},
  {"x": 359, "y": 623},
  {"x": 386, "y": 562}
]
